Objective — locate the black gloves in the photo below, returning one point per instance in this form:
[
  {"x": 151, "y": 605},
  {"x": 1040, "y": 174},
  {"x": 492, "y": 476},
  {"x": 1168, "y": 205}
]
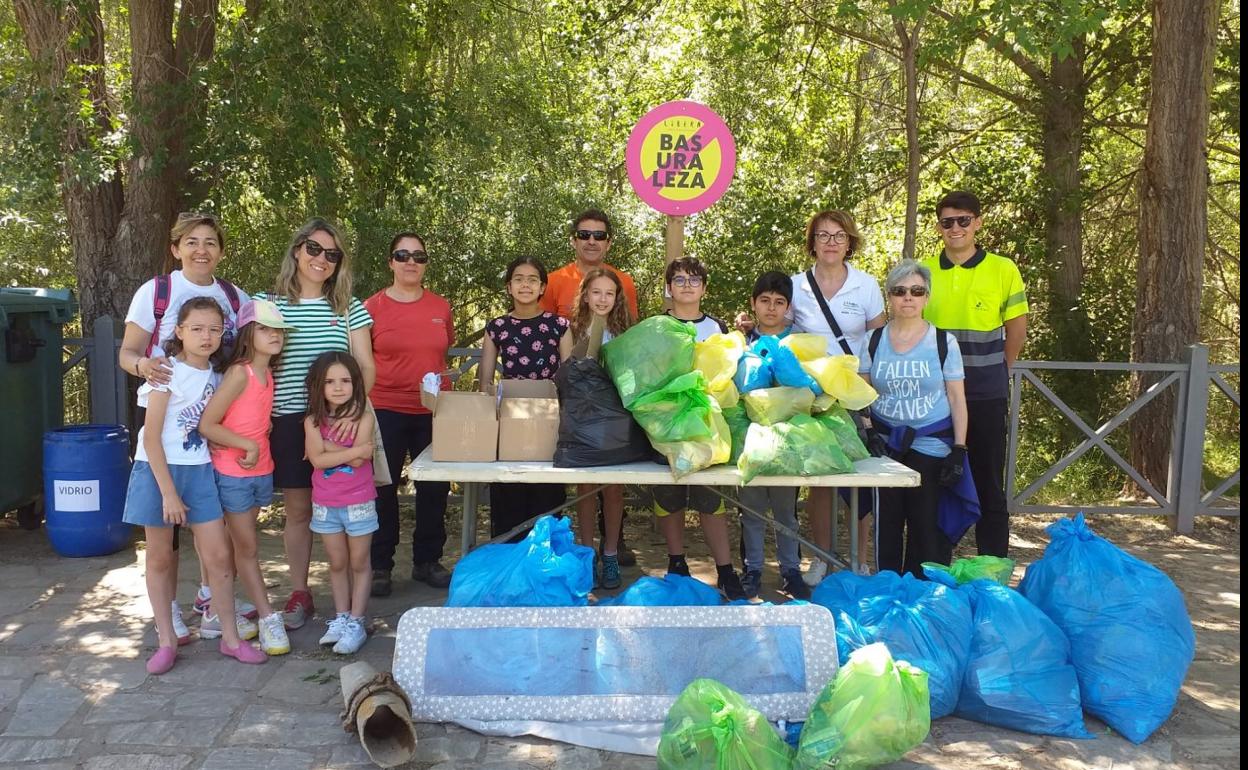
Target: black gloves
[
  {"x": 876, "y": 444},
  {"x": 951, "y": 467}
]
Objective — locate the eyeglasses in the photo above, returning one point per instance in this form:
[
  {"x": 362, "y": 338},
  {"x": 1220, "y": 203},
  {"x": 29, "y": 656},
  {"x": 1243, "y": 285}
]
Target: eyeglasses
[
  {"x": 199, "y": 331},
  {"x": 825, "y": 237},
  {"x": 597, "y": 235},
  {"x": 188, "y": 215},
  {"x": 692, "y": 281},
  {"x": 900, "y": 291},
  {"x": 963, "y": 221},
  {"x": 332, "y": 256},
  {"x": 402, "y": 255},
  {"x": 526, "y": 280}
]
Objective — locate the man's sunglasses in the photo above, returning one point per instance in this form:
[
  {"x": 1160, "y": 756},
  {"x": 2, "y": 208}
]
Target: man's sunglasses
[
  {"x": 963, "y": 221},
  {"x": 332, "y": 256},
  {"x": 597, "y": 235},
  {"x": 915, "y": 291},
  {"x": 402, "y": 255}
]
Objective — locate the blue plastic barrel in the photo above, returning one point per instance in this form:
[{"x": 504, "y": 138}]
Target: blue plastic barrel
[{"x": 85, "y": 472}]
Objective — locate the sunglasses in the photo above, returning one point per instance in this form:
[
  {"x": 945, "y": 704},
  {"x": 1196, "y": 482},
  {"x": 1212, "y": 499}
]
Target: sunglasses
[
  {"x": 915, "y": 291},
  {"x": 963, "y": 221},
  {"x": 597, "y": 235},
  {"x": 332, "y": 256},
  {"x": 402, "y": 255}
]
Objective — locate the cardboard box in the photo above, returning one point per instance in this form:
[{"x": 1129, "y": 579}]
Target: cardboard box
[
  {"x": 465, "y": 426},
  {"x": 528, "y": 420}
]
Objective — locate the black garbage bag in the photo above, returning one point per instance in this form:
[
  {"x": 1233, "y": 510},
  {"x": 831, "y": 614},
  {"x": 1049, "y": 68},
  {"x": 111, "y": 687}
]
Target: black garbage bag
[{"x": 594, "y": 427}]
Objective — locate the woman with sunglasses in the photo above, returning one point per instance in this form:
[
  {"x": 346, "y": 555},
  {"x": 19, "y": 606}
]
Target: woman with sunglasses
[
  {"x": 313, "y": 292},
  {"x": 412, "y": 331},
  {"x": 835, "y": 299},
  {"x": 921, "y": 414}
]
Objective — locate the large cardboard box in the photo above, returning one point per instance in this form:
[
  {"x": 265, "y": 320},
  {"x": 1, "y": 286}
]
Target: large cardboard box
[
  {"x": 465, "y": 426},
  {"x": 528, "y": 420}
]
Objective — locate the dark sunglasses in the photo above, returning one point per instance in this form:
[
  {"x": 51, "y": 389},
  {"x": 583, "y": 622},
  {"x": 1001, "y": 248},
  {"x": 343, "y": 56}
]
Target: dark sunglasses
[
  {"x": 947, "y": 222},
  {"x": 332, "y": 256},
  {"x": 402, "y": 255},
  {"x": 915, "y": 291},
  {"x": 597, "y": 235}
]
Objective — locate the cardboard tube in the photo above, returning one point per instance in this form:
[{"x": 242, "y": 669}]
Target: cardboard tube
[{"x": 376, "y": 709}]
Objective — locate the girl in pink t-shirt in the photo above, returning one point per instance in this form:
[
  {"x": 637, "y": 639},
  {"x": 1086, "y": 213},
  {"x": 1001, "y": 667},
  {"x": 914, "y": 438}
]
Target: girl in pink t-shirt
[
  {"x": 343, "y": 510},
  {"x": 236, "y": 421}
]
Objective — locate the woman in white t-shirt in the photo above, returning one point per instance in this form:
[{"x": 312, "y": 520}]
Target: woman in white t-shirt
[
  {"x": 196, "y": 244},
  {"x": 856, "y": 304}
]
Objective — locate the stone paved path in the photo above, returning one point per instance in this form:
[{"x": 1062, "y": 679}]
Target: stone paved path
[{"x": 74, "y": 693}]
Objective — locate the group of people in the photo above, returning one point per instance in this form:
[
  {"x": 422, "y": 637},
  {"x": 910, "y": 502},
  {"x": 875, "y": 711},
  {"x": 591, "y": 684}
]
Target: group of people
[{"x": 306, "y": 389}]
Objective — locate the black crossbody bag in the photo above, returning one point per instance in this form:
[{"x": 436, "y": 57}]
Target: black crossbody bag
[{"x": 827, "y": 313}]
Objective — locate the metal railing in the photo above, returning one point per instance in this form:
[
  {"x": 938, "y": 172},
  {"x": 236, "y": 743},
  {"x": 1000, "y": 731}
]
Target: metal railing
[
  {"x": 106, "y": 382},
  {"x": 1183, "y": 498}
]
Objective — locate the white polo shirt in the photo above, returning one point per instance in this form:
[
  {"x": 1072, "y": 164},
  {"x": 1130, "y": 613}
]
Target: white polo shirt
[{"x": 858, "y": 301}]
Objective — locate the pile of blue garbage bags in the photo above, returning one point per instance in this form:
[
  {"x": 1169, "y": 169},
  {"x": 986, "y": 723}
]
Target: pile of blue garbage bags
[{"x": 1089, "y": 629}]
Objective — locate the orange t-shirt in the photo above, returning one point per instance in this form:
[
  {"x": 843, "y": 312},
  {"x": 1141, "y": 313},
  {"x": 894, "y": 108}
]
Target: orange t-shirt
[{"x": 562, "y": 285}]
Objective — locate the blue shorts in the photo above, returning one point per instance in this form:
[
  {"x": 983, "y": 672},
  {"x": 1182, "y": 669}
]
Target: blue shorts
[
  {"x": 355, "y": 520},
  {"x": 195, "y": 484},
  {"x": 239, "y": 494}
]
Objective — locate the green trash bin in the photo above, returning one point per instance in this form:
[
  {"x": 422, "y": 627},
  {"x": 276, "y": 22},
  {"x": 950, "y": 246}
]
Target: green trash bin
[{"x": 32, "y": 393}]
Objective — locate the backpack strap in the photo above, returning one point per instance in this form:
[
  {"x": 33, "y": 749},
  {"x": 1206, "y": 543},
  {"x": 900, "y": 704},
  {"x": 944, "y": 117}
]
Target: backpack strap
[
  {"x": 942, "y": 344},
  {"x": 874, "y": 343},
  {"x": 231, "y": 294},
  {"x": 160, "y": 304}
]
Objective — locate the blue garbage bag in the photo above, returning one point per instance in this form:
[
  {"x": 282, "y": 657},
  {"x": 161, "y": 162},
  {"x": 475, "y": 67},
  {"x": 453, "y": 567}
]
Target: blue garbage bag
[
  {"x": 925, "y": 623},
  {"x": 669, "y": 591},
  {"x": 753, "y": 372},
  {"x": 1130, "y": 635},
  {"x": 786, "y": 369},
  {"x": 1019, "y": 674},
  {"x": 546, "y": 569}
]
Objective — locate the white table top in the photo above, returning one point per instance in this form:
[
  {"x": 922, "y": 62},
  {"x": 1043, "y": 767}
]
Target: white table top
[{"x": 871, "y": 472}]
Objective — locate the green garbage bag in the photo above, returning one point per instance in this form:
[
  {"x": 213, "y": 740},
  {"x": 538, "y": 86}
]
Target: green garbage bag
[
  {"x": 769, "y": 406},
  {"x": 678, "y": 411},
  {"x": 840, "y": 423},
  {"x": 738, "y": 423},
  {"x": 964, "y": 571},
  {"x": 872, "y": 713},
  {"x": 710, "y": 727},
  {"x": 648, "y": 356},
  {"x": 800, "y": 447},
  {"x": 691, "y": 455}
]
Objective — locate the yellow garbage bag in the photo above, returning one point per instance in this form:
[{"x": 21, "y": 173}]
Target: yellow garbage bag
[
  {"x": 717, "y": 357},
  {"x": 768, "y": 406},
  {"x": 806, "y": 346},
  {"x": 823, "y": 402},
  {"x": 685, "y": 457},
  {"x": 838, "y": 376}
]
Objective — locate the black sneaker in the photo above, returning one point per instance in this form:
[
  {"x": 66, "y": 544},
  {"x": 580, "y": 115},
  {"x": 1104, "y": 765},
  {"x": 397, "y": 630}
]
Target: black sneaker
[
  {"x": 432, "y": 574},
  {"x": 793, "y": 584},
  {"x": 676, "y": 565},
  {"x": 381, "y": 583},
  {"x": 730, "y": 584},
  {"x": 752, "y": 583}
]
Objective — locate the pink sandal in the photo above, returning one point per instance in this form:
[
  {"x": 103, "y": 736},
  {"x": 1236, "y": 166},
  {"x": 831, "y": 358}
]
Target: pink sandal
[
  {"x": 243, "y": 653},
  {"x": 162, "y": 660}
]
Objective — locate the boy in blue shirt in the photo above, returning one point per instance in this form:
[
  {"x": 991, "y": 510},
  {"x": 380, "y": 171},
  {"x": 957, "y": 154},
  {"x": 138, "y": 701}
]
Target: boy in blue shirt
[{"x": 773, "y": 293}]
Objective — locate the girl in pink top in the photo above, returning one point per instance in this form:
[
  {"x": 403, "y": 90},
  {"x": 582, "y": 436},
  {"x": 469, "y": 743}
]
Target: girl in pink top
[
  {"x": 236, "y": 423},
  {"x": 343, "y": 511}
]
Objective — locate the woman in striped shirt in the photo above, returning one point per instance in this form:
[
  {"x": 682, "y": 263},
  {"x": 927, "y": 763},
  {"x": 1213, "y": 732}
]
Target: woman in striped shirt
[{"x": 313, "y": 291}]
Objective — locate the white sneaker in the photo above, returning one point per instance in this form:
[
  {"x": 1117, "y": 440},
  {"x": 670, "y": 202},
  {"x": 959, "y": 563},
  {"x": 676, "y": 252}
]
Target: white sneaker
[
  {"x": 865, "y": 570},
  {"x": 210, "y": 627},
  {"x": 353, "y": 637},
  {"x": 273, "y": 638},
  {"x": 179, "y": 625},
  {"x": 815, "y": 573},
  {"x": 335, "y": 628},
  {"x": 245, "y": 608}
]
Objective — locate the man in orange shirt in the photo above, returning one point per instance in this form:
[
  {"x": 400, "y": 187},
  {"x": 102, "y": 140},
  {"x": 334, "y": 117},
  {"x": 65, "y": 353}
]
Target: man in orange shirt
[{"x": 591, "y": 240}]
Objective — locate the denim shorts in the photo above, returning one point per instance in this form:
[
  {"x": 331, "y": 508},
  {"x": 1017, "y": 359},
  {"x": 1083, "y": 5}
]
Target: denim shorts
[
  {"x": 195, "y": 484},
  {"x": 239, "y": 494},
  {"x": 355, "y": 520}
]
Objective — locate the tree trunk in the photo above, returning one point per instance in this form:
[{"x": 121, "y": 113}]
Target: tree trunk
[
  {"x": 119, "y": 230},
  {"x": 1063, "y": 110},
  {"x": 909, "y": 42},
  {"x": 1173, "y": 219}
]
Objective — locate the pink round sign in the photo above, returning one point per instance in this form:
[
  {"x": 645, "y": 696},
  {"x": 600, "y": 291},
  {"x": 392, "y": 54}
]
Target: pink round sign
[{"x": 680, "y": 158}]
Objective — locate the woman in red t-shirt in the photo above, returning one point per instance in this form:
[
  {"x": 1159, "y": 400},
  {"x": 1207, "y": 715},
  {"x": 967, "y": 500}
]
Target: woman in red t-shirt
[{"x": 412, "y": 331}]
